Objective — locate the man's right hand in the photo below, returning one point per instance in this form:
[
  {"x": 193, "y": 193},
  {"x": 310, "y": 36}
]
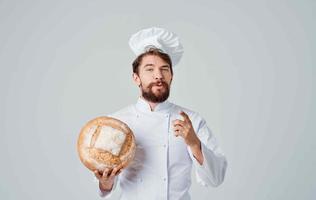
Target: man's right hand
[{"x": 106, "y": 178}]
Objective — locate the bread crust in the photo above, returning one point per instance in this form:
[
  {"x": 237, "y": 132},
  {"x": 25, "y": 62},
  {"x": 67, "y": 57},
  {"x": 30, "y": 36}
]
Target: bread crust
[{"x": 99, "y": 159}]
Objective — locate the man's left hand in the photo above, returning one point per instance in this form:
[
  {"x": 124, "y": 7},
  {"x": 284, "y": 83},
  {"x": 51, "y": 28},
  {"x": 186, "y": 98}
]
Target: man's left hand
[{"x": 185, "y": 129}]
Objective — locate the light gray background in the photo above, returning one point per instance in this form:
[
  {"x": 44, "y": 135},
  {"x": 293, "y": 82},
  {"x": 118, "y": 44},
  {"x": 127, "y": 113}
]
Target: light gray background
[{"x": 248, "y": 69}]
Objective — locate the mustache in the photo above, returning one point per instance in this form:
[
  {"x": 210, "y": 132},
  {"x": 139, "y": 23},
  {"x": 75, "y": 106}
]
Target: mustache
[{"x": 158, "y": 83}]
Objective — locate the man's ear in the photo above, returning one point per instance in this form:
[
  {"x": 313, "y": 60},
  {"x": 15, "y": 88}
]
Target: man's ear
[{"x": 136, "y": 79}]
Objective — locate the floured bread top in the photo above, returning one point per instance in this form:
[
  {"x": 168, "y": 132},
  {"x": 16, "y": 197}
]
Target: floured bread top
[
  {"x": 110, "y": 139},
  {"x": 106, "y": 142}
]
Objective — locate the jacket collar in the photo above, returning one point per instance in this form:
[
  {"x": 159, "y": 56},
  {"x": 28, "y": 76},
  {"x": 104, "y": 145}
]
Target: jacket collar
[{"x": 144, "y": 106}]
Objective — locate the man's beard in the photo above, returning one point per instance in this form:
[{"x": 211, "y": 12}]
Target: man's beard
[{"x": 149, "y": 95}]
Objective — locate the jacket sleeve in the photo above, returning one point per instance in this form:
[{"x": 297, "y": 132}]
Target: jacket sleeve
[
  {"x": 213, "y": 169},
  {"x": 105, "y": 194}
]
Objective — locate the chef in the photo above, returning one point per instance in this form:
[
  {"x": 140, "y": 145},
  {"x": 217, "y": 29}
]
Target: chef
[{"x": 170, "y": 139}]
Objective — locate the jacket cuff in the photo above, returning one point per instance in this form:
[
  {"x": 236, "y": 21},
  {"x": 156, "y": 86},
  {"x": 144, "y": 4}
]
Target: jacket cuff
[{"x": 213, "y": 169}]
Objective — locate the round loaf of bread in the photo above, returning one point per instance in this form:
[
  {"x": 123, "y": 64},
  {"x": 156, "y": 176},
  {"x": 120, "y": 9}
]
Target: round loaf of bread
[{"x": 106, "y": 142}]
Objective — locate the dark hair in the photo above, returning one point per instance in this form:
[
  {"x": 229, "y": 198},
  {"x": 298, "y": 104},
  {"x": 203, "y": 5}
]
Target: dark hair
[{"x": 152, "y": 51}]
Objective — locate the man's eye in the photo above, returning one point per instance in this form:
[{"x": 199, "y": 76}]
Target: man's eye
[{"x": 149, "y": 70}]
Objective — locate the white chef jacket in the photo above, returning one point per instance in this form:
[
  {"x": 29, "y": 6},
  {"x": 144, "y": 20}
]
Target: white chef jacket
[{"x": 162, "y": 165}]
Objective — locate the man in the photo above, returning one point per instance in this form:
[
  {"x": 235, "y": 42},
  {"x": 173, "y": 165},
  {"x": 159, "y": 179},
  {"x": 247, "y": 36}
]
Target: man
[{"x": 169, "y": 138}]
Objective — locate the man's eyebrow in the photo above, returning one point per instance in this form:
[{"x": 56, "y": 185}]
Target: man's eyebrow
[
  {"x": 149, "y": 64},
  {"x": 165, "y": 66}
]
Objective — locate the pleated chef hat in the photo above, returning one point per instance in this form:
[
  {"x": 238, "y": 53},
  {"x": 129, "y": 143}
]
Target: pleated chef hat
[{"x": 160, "y": 38}]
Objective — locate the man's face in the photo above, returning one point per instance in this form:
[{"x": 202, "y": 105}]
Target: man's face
[{"x": 154, "y": 78}]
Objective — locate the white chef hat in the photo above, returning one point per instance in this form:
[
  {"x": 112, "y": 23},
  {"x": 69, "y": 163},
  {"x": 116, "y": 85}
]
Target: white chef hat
[{"x": 160, "y": 38}]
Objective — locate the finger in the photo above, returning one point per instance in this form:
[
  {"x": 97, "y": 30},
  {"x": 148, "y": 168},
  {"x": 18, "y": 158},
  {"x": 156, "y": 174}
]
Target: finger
[
  {"x": 118, "y": 172},
  {"x": 110, "y": 172},
  {"x": 177, "y": 131},
  {"x": 178, "y": 122},
  {"x": 185, "y": 116},
  {"x": 183, "y": 126},
  {"x": 106, "y": 173},
  {"x": 114, "y": 171},
  {"x": 97, "y": 174},
  {"x": 100, "y": 172},
  {"x": 124, "y": 164},
  {"x": 121, "y": 166},
  {"x": 178, "y": 127}
]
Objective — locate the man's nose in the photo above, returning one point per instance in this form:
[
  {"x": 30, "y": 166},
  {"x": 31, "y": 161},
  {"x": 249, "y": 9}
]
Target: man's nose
[{"x": 158, "y": 75}]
